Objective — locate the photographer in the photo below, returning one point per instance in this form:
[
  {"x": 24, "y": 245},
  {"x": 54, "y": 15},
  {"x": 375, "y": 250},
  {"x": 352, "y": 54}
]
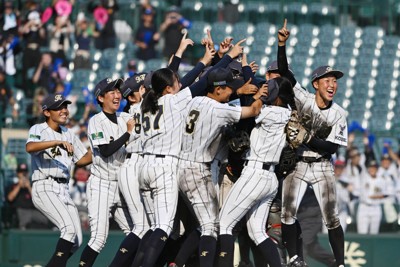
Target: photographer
[
  {"x": 171, "y": 29},
  {"x": 20, "y": 197}
]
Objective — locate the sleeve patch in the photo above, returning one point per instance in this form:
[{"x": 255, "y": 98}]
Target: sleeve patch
[
  {"x": 98, "y": 135},
  {"x": 34, "y": 136}
]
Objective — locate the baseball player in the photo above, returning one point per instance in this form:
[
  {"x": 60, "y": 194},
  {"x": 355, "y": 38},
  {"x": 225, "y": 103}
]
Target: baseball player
[
  {"x": 54, "y": 148},
  {"x": 160, "y": 137},
  {"x": 204, "y": 119},
  {"x": 323, "y": 129},
  {"x": 254, "y": 191},
  {"x": 372, "y": 191},
  {"x": 162, "y": 110},
  {"x": 132, "y": 90},
  {"x": 108, "y": 133}
]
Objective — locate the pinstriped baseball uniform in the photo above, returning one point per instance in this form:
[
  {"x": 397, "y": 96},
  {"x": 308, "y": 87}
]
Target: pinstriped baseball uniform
[
  {"x": 102, "y": 188},
  {"x": 161, "y": 141},
  {"x": 49, "y": 196},
  {"x": 318, "y": 174},
  {"x": 128, "y": 181},
  {"x": 253, "y": 192},
  {"x": 204, "y": 120}
]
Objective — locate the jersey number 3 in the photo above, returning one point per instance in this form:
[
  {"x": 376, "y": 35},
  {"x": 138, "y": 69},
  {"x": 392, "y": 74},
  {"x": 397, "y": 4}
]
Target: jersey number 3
[
  {"x": 192, "y": 118},
  {"x": 156, "y": 123}
]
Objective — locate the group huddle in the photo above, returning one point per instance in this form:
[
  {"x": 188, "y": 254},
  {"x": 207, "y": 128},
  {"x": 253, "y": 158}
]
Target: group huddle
[{"x": 161, "y": 167}]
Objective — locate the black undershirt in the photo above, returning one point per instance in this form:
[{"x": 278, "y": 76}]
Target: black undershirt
[{"x": 107, "y": 150}]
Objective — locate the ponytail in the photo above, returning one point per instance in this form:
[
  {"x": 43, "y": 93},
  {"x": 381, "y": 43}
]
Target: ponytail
[
  {"x": 160, "y": 79},
  {"x": 150, "y": 102}
]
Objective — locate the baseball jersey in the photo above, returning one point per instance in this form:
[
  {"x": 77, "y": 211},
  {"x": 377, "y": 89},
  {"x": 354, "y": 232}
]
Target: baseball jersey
[
  {"x": 268, "y": 138},
  {"x": 102, "y": 131},
  {"x": 314, "y": 118},
  {"x": 134, "y": 144},
  {"x": 204, "y": 120},
  {"x": 162, "y": 132},
  {"x": 368, "y": 187},
  {"x": 55, "y": 161}
]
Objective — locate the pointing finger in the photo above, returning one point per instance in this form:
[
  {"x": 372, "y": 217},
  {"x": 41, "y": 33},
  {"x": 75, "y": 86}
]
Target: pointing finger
[
  {"x": 241, "y": 41},
  {"x": 184, "y": 35},
  {"x": 209, "y": 34},
  {"x": 284, "y": 23}
]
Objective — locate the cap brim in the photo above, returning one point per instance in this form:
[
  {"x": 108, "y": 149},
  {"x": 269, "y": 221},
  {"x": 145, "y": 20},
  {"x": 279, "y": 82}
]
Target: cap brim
[
  {"x": 337, "y": 73},
  {"x": 115, "y": 84},
  {"x": 57, "y": 105}
]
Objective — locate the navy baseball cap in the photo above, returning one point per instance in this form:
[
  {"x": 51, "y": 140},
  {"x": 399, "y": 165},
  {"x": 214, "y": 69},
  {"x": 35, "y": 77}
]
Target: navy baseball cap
[
  {"x": 236, "y": 68},
  {"x": 273, "y": 67},
  {"x": 324, "y": 71},
  {"x": 273, "y": 92},
  {"x": 107, "y": 85},
  {"x": 54, "y": 101},
  {"x": 373, "y": 163},
  {"x": 224, "y": 77},
  {"x": 132, "y": 84},
  {"x": 147, "y": 80}
]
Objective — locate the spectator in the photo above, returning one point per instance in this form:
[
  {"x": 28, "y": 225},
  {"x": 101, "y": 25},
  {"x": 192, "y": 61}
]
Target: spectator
[
  {"x": 388, "y": 171},
  {"x": 343, "y": 189},
  {"x": 80, "y": 177},
  {"x": 9, "y": 47},
  {"x": 146, "y": 36},
  {"x": 131, "y": 69},
  {"x": 45, "y": 74},
  {"x": 6, "y": 97},
  {"x": 84, "y": 32},
  {"x": 9, "y": 19},
  {"x": 59, "y": 34},
  {"x": 34, "y": 109},
  {"x": 20, "y": 197},
  {"x": 372, "y": 193},
  {"x": 107, "y": 35},
  {"x": 34, "y": 36},
  {"x": 171, "y": 29}
]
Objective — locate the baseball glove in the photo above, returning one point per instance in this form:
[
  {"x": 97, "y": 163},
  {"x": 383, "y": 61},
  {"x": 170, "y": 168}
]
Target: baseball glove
[
  {"x": 287, "y": 163},
  {"x": 240, "y": 142},
  {"x": 324, "y": 131},
  {"x": 295, "y": 132}
]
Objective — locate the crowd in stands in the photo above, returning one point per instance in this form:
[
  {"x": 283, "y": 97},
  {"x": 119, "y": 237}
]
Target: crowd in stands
[{"x": 36, "y": 45}]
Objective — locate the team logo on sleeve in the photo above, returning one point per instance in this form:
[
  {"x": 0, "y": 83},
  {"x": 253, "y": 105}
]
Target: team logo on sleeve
[
  {"x": 96, "y": 136},
  {"x": 34, "y": 136},
  {"x": 342, "y": 128}
]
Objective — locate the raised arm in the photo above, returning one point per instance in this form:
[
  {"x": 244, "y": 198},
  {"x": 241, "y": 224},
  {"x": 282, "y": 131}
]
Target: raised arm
[
  {"x": 176, "y": 58},
  {"x": 191, "y": 76},
  {"x": 283, "y": 66}
]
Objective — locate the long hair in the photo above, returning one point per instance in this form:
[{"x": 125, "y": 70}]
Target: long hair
[
  {"x": 286, "y": 93},
  {"x": 159, "y": 81}
]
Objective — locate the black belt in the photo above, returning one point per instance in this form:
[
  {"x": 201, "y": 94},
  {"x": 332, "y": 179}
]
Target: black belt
[
  {"x": 155, "y": 155},
  {"x": 265, "y": 166},
  {"x": 312, "y": 159},
  {"x": 59, "y": 180},
  {"x": 128, "y": 156}
]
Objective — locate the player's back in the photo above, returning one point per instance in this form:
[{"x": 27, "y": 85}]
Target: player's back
[
  {"x": 161, "y": 132},
  {"x": 267, "y": 138},
  {"x": 202, "y": 128}
]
